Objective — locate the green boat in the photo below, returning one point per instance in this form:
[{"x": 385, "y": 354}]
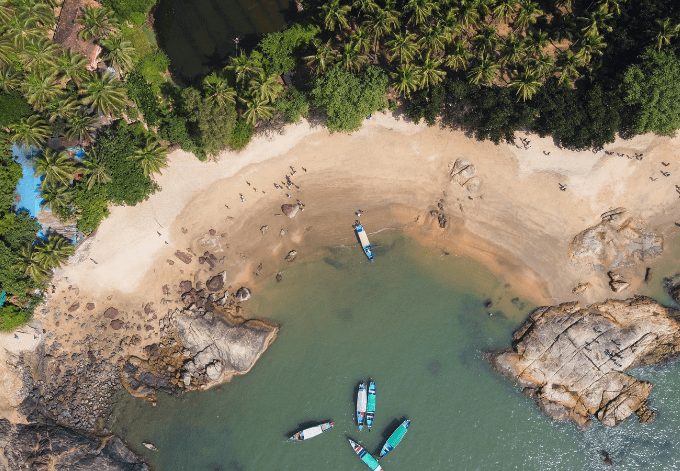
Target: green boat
[
  {"x": 370, "y": 406},
  {"x": 365, "y": 456},
  {"x": 396, "y": 438}
]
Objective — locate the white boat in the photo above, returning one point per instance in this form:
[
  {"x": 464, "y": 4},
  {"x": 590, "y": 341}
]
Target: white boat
[
  {"x": 361, "y": 405},
  {"x": 311, "y": 432},
  {"x": 363, "y": 240}
]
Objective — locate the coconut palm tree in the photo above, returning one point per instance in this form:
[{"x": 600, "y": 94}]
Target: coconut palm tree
[
  {"x": 402, "y": 46},
  {"x": 105, "y": 94},
  {"x": 361, "y": 41},
  {"x": 10, "y": 79},
  {"x": 22, "y": 30},
  {"x": 484, "y": 72},
  {"x": 57, "y": 167},
  {"x": 6, "y": 12},
  {"x": 54, "y": 251},
  {"x": 434, "y": 39},
  {"x": 419, "y": 10},
  {"x": 218, "y": 91},
  {"x": 57, "y": 197},
  {"x": 335, "y": 14},
  {"x": 527, "y": 14},
  {"x": 120, "y": 53},
  {"x": 350, "y": 59},
  {"x": 504, "y": 10},
  {"x": 152, "y": 157},
  {"x": 8, "y": 52},
  {"x": 244, "y": 66},
  {"x": 430, "y": 71},
  {"x": 81, "y": 127},
  {"x": 381, "y": 23},
  {"x": 30, "y": 132},
  {"x": 465, "y": 13},
  {"x": 62, "y": 109},
  {"x": 590, "y": 47},
  {"x": 40, "y": 54},
  {"x": 323, "y": 57},
  {"x": 73, "y": 66},
  {"x": 568, "y": 67},
  {"x": 365, "y": 6},
  {"x": 257, "y": 111},
  {"x": 459, "y": 56},
  {"x": 667, "y": 32},
  {"x": 40, "y": 12},
  {"x": 96, "y": 23},
  {"x": 265, "y": 87},
  {"x": 544, "y": 65},
  {"x": 40, "y": 88},
  {"x": 513, "y": 51},
  {"x": 486, "y": 40},
  {"x": 526, "y": 83},
  {"x": 95, "y": 170},
  {"x": 407, "y": 79},
  {"x": 29, "y": 265}
]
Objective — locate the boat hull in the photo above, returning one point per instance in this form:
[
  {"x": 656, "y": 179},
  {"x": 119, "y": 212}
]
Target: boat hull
[
  {"x": 371, "y": 404},
  {"x": 361, "y": 405},
  {"x": 311, "y": 432},
  {"x": 396, "y": 438},
  {"x": 363, "y": 239},
  {"x": 365, "y": 456}
]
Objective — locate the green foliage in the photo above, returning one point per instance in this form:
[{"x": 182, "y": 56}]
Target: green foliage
[
  {"x": 91, "y": 206},
  {"x": 652, "y": 90},
  {"x": 426, "y": 104},
  {"x": 115, "y": 148},
  {"x": 12, "y": 317},
  {"x": 154, "y": 67},
  {"x": 212, "y": 123},
  {"x": 13, "y": 107},
  {"x": 347, "y": 98},
  {"x": 292, "y": 105},
  {"x": 241, "y": 135},
  {"x": 10, "y": 174},
  {"x": 278, "y": 48},
  {"x": 135, "y": 11},
  {"x": 17, "y": 230},
  {"x": 174, "y": 129},
  {"x": 141, "y": 92}
]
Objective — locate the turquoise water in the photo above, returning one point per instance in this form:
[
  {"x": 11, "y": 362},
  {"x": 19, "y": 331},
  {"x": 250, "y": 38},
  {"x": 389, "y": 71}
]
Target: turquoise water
[
  {"x": 414, "y": 321},
  {"x": 28, "y": 187}
]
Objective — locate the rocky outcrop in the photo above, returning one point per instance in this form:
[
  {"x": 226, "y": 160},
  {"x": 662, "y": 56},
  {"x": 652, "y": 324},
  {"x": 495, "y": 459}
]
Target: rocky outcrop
[
  {"x": 463, "y": 172},
  {"x": 49, "y": 447},
  {"x": 198, "y": 350},
  {"x": 618, "y": 241},
  {"x": 672, "y": 284},
  {"x": 290, "y": 210},
  {"x": 573, "y": 359}
]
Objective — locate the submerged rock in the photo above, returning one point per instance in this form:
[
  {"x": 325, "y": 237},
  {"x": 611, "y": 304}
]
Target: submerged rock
[
  {"x": 573, "y": 359},
  {"x": 292, "y": 255},
  {"x": 242, "y": 294}
]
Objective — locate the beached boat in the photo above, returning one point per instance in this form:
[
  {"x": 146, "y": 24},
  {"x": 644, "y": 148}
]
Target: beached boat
[
  {"x": 311, "y": 432},
  {"x": 365, "y": 456},
  {"x": 396, "y": 438},
  {"x": 361, "y": 405},
  {"x": 363, "y": 239},
  {"x": 370, "y": 405}
]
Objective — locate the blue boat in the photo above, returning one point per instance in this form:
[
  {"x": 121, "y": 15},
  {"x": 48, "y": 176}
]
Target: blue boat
[
  {"x": 396, "y": 438},
  {"x": 363, "y": 239},
  {"x": 370, "y": 406}
]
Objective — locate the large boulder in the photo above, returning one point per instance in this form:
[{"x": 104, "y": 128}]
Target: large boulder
[
  {"x": 672, "y": 284},
  {"x": 290, "y": 210},
  {"x": 573, "y": 360}
]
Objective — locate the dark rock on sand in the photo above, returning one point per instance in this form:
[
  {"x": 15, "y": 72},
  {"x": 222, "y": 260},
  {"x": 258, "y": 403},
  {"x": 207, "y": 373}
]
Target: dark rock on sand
[
  {"x": 111, "y": 313},
  {"x": 672, "y": 284},
  {"x": 117, "y": 324},
  {"x": 573, "y": 360},
  {"x": 242, "y": 294},
  {"x": 49, "y": 447},
  {"x": 215, "y": 283},
  {"x": 183, "y": 256},
  {"x": 292, "y": 255}
]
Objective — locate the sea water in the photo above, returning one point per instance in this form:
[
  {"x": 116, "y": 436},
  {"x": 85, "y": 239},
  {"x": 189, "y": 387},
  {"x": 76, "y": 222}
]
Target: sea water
[{"x": 416, "y": 322}]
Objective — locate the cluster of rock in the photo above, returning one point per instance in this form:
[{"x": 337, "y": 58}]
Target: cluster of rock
[
  {"x": 464, "y": 173},
  {"x": 573, "y": 359},
  {"x": 50, "y": 447},
  {"x": 440, "y": 215},
  {"x": 203, "y": 344}
]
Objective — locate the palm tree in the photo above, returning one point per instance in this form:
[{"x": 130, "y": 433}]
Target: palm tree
[
  {"x": 152, "y": 157},
  {"x": 568, "y": 67},
  {"x": 257, "y": 111},
  {"x": 53, "y": 252},
  {"x": 334, "y": 14},
  {"x": 10, "y": 79},
  {"x": 667, "y": 31},
  {"x": 528, "y": 13},
  {"x": 486, "y": 40},
  {"x": 40, "y": 54},
  {"x": 244, "y": 66},
  {"x": 526, "y": 84},
  {"x": 29, "y": 265},
  {"x": 430, "y": 71},
  {"x": 504, "y": 10},
  {"x": 95, "y": 170},
  {"x": 8, "y": 52},
  {"x": 351, "y": 59},
  {"x": 96, "y": 23},
  {"x": 6, "y": 12},
  {"x": 513, "y": 51},
  {"x": 544, "y": 65},
  {"x": 381, "y": 23},
  {"x": 484, "y": 72},
  {"x": 40, "y": 88},
  {"x": 105, "y": 94},
  {"x": 361, "y": 41},
  {"x": 57, "y": 167},
  {"x": 40, "y": 12},
  {"x": 62, "y": 109},
  {"x": 419, "y": 10},
  {"x": 365, "y": 6},
  {"x": 590, "y": 46},
  {"x": 121, "y": 53},
  {"x": 464, "y": 13},
  {"x": 73, "y": 66},
  {"x": 407, "y": 79},
  {"x": 265, "y": 87},
  {"x": 81, "y": 127},
  {"x": 459, "y": 56},
  {"x": 22, "y": 30},
  {"x": 218, "y": 91},
  {"x": 324, "y": 56},
  {"x": 402, "y": 46},
  {"x": 59, "y": 198},
  {"x": 30, "y": 132},
  {"x": 434, "y": 39}
]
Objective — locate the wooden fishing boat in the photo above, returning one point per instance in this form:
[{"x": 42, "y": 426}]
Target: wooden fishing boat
[
  {"x": 361, "y": 405},
  {"x": 370, "y": 405},
  {"x": 365, "y": 456},
  {"x": 396, "y": 438},
  {"x": 311, "y": 432},
  {"x": 363, "y": 239}
]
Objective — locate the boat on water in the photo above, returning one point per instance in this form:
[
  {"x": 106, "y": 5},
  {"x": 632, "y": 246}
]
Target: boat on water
[
  {"x": 311, "y": 432},
  {"x": 365, "y": 456},
  {"x": 396, "y": 438},
  {"x": 363, "y": 239},
  {"x": 361, "y": 405},
  {"x": 370, "y": 404}
]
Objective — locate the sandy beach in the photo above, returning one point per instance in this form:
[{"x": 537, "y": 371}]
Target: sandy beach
[{"x": 517, "y": 212}]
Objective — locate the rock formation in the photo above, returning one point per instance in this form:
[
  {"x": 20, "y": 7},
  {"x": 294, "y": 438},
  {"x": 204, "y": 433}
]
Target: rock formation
[
  {"x": 672, "y": 284},
  {"x": 618, "y": 241},
  {"x": 48, "y": 447},
  {"x": 573, "y": 359}
]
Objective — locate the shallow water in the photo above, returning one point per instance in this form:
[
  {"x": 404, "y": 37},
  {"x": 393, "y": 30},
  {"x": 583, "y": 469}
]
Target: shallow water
[
  {"x": 415, "y": 321},
  {"x": 198, "y": 35}
]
